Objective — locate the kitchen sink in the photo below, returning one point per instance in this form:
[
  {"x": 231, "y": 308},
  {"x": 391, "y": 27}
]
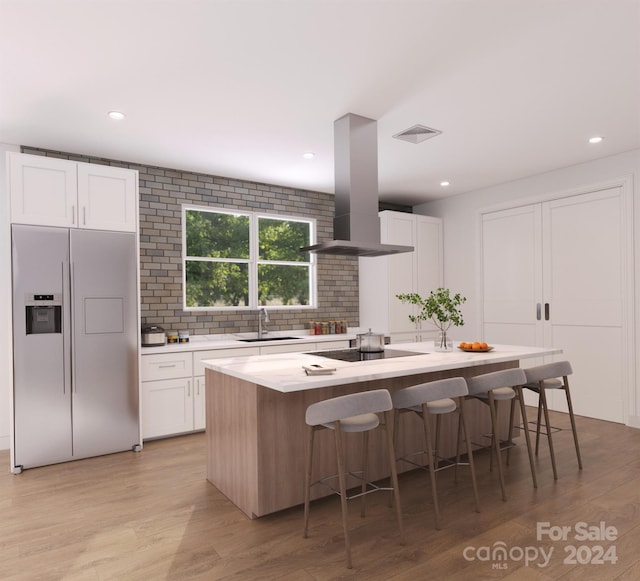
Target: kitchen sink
[{"x": 266, "y": 339}]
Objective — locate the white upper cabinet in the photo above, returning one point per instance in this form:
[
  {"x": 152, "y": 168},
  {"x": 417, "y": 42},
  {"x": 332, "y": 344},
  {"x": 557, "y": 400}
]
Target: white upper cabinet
[
  {"x": 107, "y": 197},
  {"x": 47, "y": 191},
  {"x": 44, "y": 190}
]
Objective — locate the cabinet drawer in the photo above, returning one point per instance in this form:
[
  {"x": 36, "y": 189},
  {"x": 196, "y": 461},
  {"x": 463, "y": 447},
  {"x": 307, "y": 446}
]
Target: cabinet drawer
[
  {"x": 291, "y": 348},
  {"x": 166, "y": 366},
  {"x": 200, "y": 356},
  {"x": 342, "y": 344}
]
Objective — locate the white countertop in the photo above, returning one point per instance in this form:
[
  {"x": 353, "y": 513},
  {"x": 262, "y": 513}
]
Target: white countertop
[
  {"x": 284, "y": 373},
  {"x": 204, "y": 342}
]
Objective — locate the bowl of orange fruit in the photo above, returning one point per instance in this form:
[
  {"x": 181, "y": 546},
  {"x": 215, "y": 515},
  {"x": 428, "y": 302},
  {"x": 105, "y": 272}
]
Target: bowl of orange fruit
[{"x": 475, "y": 347}]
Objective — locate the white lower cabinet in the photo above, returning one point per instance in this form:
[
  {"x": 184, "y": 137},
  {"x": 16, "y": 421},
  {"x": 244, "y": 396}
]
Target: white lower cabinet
[
  {"x": 173, "y": 388},
  {"x": 167, "y": 407}
]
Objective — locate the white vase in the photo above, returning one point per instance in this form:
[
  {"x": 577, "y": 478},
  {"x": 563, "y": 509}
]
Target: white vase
[{"x": 442, "y": 342}]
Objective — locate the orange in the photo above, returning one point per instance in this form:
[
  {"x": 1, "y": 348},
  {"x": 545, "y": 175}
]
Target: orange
[
  {"x": 463, "y": 345},
  {"x": 483, "y": 345},
  {"x": 476, "y": 346}
]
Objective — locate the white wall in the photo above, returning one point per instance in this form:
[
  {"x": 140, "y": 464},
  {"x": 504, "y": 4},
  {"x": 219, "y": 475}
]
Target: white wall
[
  {"x": 462, "y": 228},
  {"x": 6, "y": 362}
]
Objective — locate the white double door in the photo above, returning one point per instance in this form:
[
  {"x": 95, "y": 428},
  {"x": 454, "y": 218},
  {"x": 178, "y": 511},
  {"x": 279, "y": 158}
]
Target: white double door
[{"x": 555, "y": 274}]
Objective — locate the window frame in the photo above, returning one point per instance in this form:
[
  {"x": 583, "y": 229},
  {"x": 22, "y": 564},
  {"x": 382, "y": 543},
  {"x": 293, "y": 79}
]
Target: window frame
[{"x": 253, "y": 261}]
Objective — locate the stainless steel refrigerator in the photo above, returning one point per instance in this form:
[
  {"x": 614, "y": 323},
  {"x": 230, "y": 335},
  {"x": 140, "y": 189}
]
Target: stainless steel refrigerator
[{"x": 75, "y": 329}]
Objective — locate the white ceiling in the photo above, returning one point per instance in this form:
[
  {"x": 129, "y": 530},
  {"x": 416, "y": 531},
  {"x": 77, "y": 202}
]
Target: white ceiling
[{"x": 242, "y": 88}]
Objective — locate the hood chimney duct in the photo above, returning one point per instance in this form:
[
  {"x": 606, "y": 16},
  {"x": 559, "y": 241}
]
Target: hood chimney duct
[{"x": 356, "y": 225}]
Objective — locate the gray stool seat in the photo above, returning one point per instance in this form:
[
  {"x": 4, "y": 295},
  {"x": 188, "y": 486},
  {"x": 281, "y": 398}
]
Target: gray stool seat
[
  {"x": 497, "y": 386},
  {"x": 547, "y": 384},
  {"x": 439, "y": 406},
  {"x": 544, "y": 377},
  {"x": 435, "y": 398},
  {"x": 500, "y": 393},
  {"x": 360, "y": 423},
  {"x": 356, "y": 412}
]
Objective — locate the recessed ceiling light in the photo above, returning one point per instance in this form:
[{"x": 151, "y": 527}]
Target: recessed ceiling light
[
  {"x": 309, "y": 155},
  {"x": 444, "y": 184},
  {"x": 116, "y": 115},
  {"x": 595, "y": 139}
]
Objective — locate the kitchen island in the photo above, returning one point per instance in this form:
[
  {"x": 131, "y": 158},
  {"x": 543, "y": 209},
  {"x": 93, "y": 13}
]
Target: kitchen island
[{"x": 255, "y": 410}]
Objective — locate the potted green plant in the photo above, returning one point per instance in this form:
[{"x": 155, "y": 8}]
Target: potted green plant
[{"x": 441, "y": 308}]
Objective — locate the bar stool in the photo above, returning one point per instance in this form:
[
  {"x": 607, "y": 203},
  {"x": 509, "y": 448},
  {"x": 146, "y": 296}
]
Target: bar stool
[
  {"x": 544, "y": 377},
  {"x": 436, "y": 398},
  {"x": 498, "y": 386},
  {"x": 356, "y": 412}
]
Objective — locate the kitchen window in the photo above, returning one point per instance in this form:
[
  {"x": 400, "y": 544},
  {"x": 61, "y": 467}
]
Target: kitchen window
[{"x": 246, "y": 260}]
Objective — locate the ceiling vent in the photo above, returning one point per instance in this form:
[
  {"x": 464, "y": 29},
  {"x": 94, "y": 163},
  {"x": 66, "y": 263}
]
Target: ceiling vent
[{"x": 417, "y": 134}]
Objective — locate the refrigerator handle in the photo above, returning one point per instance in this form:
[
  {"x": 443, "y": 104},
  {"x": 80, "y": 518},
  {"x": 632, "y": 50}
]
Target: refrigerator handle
[
  {"x": 64, "y": 333},
  {"x": 73, "y": 215},
  {"x": 188, "y": 388},
  {"x": 84, "y": 215},
  {"x": 74, "y": 383}
]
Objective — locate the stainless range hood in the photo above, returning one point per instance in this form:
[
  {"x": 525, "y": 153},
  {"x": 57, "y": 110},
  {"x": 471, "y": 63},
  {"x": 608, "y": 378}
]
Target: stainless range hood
[{"x": 356, "y": 226}]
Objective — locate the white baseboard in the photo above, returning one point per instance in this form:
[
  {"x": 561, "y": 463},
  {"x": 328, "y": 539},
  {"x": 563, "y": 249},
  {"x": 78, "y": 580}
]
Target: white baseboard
[{"x": 634, "y": 422}]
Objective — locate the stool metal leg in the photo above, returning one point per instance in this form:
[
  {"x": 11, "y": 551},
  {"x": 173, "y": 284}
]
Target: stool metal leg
[
  {"x": 432, "y": 459},
  {"x": 459, "y": 401},
  {"x": 463, "y": 422},
  {"x": 343, "y": 492},
  {"x": 527, "y": 437},
  {"x": 538, "y": 423},
  {"x": 512, "y": 411},
  {"x": 436, "y": 448},
  {"x": 388, "y": 428},
  {"x": 363, "y": 489},
  {"x": 307, "y": 479},
  {"x": 496, "y": 440},
  {"x": 573, "y": 421},
  {"x": 545, "y": 410}
]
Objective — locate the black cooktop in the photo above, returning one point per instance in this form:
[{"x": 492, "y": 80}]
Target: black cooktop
[{"x": 356, "y": 355}]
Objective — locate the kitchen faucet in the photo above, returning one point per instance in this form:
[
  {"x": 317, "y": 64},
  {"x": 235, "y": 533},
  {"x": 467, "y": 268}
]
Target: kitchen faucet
[{"x": 261, "y": 330}]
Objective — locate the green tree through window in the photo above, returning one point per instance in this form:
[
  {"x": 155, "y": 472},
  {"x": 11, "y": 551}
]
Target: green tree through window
[{"x": 222, "y": 269}]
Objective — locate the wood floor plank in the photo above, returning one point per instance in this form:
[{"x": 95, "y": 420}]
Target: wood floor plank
[{"x": 153, "y": 516}]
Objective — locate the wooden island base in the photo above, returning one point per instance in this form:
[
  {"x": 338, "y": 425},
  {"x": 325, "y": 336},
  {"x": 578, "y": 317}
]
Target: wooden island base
[{"x": 256, "y": 437}]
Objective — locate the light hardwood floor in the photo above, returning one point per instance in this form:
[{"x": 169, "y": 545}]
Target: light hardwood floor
[{"x": 153, "y": 515}]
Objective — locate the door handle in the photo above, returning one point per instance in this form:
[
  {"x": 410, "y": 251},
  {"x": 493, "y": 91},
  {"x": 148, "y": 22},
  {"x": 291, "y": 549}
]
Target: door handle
[
  {"x": 546, "y": 311},
  {"x": 538, "y": 311},
  {"x": 189, "y": 388}
]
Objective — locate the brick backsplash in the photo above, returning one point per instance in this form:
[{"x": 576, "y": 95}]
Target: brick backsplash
[{"x": 164, "y": 190}]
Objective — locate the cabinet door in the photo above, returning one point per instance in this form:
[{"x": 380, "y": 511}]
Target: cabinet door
[
  {"x": 107, "y": 197},
  {"x": 512, "y": 275},
  {"x": 399, "y": 228},
  {"x": 167, "y": 407},
  {"x": 584, "y": 295},
  {"x": 429, "y": 254},
  {"x": 43, "y": 190},
  {"x": 199, "y": 408}
]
